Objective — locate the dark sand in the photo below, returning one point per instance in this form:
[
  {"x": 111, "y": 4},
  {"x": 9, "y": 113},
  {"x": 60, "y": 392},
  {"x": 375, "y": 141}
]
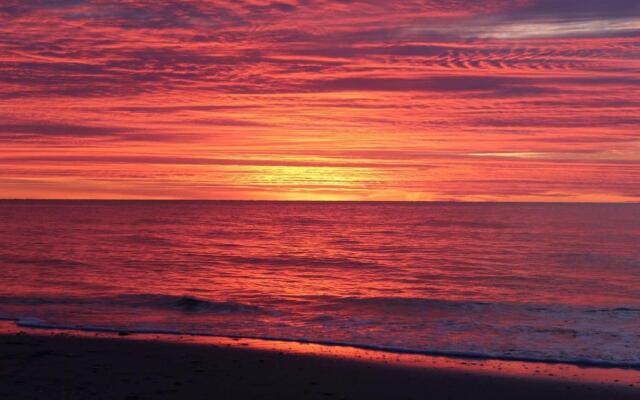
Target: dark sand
[{"x": 48, "y": 366}]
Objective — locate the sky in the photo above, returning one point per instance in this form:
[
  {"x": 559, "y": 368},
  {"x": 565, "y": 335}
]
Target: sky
[{"x": 467, "y": 100}]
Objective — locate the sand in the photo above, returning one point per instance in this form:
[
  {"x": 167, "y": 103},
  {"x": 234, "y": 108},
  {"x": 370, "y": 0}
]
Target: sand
[{"x": 62, "y": 366}]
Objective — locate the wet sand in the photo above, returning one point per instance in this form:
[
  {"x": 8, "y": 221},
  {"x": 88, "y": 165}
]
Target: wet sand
[{"x": 40, "y": 365}]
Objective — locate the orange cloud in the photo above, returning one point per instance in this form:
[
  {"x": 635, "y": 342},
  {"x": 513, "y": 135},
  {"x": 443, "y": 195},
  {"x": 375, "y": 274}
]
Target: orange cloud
[{"x": 419, "y": 100}]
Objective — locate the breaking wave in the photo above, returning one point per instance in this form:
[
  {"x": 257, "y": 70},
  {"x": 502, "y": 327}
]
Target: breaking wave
[
  {"x": 156, "y": 301},
  {"x": 585, "y": 362}
]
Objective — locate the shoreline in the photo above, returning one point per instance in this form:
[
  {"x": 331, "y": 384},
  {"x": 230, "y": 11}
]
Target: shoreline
[
  {"x": 166, "y": 335},
  {"x": 550, "y": 380}
]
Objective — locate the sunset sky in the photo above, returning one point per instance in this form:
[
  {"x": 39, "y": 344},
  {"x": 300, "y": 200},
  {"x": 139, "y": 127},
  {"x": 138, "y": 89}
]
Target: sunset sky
[{"x": 520, "y": 100}]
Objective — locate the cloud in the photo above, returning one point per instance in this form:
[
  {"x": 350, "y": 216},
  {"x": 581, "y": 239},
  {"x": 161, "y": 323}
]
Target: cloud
[
  {"x": 21, "y": 7},
  {"x": 447, "y": 83},
  {"x": 380, "y": 94},
  {"x": 540, "y": 18},
  {"x": 208, "y": 161},
  {"x": 578, "y": 9},
  {"x": 181, "y": 108},
  {"x": 567, "y": 121},
  {"x": 49, "y": 129}
]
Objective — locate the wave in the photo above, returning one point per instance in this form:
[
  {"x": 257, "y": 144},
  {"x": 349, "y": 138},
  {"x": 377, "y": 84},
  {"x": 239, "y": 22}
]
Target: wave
[
  {"x": 412, "y": 304},
  {"x": 550, "y": 333},
  {"x": 161, "y": 301},
  {"x": 301, "y": 261},
  {"x": 188, "y": 303},
  {"x": 146, "y": 239},
  {"x": 422, "y": 303},
  {"x": 583, "y": 362},
  {"x": 40, "y": 261},
  {"x": 434, "y": 223},
  {"x": 617, "y": 309}
]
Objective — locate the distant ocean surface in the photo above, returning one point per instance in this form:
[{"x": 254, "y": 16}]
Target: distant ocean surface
[{"x": 555, "y": 282}]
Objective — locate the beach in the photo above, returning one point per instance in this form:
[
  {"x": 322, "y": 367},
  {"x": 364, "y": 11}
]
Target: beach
[{"x": 40, "y": 364}]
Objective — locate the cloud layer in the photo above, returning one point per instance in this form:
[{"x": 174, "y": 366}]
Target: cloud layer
[{"x": 327, "y": 99}]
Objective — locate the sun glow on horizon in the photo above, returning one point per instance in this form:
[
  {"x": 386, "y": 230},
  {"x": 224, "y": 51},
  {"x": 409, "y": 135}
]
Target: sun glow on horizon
[{"x": 489, "y": 101}]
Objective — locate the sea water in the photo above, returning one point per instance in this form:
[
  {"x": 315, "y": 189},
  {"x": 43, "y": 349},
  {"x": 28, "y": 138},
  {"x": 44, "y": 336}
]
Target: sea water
[{"x": 554, "y": 282}]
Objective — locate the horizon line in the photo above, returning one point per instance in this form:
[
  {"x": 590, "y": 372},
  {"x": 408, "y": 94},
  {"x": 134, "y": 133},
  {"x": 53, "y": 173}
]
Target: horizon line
[{"x": 321, "y": 201}]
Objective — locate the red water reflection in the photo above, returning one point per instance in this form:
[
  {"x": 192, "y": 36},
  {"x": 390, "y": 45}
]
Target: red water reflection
[{"x": 510, "y": 281}]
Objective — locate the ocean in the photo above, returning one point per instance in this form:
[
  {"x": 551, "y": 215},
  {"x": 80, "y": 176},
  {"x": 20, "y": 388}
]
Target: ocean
[{"x": 523, "y": 281}]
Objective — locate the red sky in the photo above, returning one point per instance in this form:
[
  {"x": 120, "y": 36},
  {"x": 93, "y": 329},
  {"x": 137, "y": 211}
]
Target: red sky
[{"x": 331, "y": 99}]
